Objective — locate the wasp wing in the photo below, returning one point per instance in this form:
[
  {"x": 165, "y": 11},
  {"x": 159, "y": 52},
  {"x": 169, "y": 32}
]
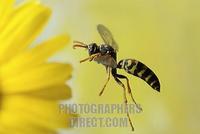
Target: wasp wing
[
  {"x": 106, "y": 60},
  {"x": 107, "y": 36}
]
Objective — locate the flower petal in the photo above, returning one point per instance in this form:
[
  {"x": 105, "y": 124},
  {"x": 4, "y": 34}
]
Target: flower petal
[
  {"x": 57, "y": 92},
  {"x": 21, "y": 127},
  {"x": 45, "y": 75},
  {"x": 22, "y": 30},
  {"x": 35, "y": 56},
  {"x": 6, "y": 7},
  {"x": 24, "y": 113}
]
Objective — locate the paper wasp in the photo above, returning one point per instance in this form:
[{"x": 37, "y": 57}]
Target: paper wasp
[{"x": 106, "y": 54}]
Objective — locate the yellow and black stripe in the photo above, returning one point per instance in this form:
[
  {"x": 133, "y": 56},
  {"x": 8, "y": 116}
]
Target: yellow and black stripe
[{"x": 140, "y": 70}]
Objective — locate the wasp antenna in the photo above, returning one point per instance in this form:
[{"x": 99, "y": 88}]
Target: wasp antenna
[{"x": 79, "y": 44}]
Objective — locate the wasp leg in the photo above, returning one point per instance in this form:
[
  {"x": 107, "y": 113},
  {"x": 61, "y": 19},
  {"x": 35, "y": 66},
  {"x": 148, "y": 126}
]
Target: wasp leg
[
  {"x": 114, "y": 73},
  {"x": 125, "y": 101},
  {"x": 95, "y": 56},
  {"x": 90, "y": 58},
  {"x": 106, "y": 69},
  {"x": 105, "y": 83},
  {"x": 84, "y": 60},
  {"x": 129, "y": 90}
]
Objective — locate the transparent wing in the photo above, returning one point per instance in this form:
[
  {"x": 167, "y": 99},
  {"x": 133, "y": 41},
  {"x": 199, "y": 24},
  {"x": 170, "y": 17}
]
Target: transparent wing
[
  {"x": 106, "y": 60},
  {"x": 107, "y": 37}
]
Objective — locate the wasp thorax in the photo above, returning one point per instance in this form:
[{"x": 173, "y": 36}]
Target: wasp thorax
[
  {"x": 93, "y": 48},
  {"x": 106, "y": 49}
]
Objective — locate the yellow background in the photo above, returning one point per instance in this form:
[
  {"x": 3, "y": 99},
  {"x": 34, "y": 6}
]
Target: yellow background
[{"x": 164, "y": 34}]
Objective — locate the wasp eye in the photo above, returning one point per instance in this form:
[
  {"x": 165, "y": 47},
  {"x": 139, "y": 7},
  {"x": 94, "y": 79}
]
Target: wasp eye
[{"x": 92, "y": 48}]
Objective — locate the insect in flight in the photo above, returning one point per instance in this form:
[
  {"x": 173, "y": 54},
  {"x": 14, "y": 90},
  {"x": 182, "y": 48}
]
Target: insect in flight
[{"x": 106, "y": 54}]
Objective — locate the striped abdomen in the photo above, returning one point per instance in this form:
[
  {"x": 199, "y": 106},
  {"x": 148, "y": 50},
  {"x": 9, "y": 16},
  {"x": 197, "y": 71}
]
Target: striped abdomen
[{"x": 140, "y": 70}]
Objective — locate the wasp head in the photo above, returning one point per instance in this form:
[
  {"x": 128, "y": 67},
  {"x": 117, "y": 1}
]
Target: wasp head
[{"x": 93, "y": 48}]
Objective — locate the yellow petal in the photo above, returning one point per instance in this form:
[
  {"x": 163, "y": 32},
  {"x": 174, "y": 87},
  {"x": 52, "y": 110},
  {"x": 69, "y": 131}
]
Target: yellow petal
[
  {"x": 57, "y": 92},
  {"x": 6, "y": 7},
  {"x": 25, "y": 113},
  {"x": 32, "y": 58},
  {"x": 45, "y": 75},
  {"x": 29, "y": 128},
  {"x": 22, "y": 30}
]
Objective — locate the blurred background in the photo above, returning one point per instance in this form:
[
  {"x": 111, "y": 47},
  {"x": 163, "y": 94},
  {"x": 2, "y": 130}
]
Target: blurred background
[{"x": 163, "y": 34}]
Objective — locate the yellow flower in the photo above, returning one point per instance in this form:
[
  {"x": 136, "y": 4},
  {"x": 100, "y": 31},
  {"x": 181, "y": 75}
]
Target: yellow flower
[{"x": 30, "y": 87}]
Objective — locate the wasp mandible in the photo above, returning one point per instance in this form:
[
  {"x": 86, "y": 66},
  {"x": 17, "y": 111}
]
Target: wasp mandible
[{"x": 106, "y": 54}]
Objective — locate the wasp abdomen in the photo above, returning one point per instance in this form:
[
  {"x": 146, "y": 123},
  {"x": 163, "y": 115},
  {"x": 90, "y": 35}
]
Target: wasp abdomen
[{"x": 140, "y": 70}]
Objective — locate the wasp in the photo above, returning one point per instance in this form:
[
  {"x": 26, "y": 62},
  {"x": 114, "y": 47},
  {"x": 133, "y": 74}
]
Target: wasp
[{"x": 106, "y": 54}]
